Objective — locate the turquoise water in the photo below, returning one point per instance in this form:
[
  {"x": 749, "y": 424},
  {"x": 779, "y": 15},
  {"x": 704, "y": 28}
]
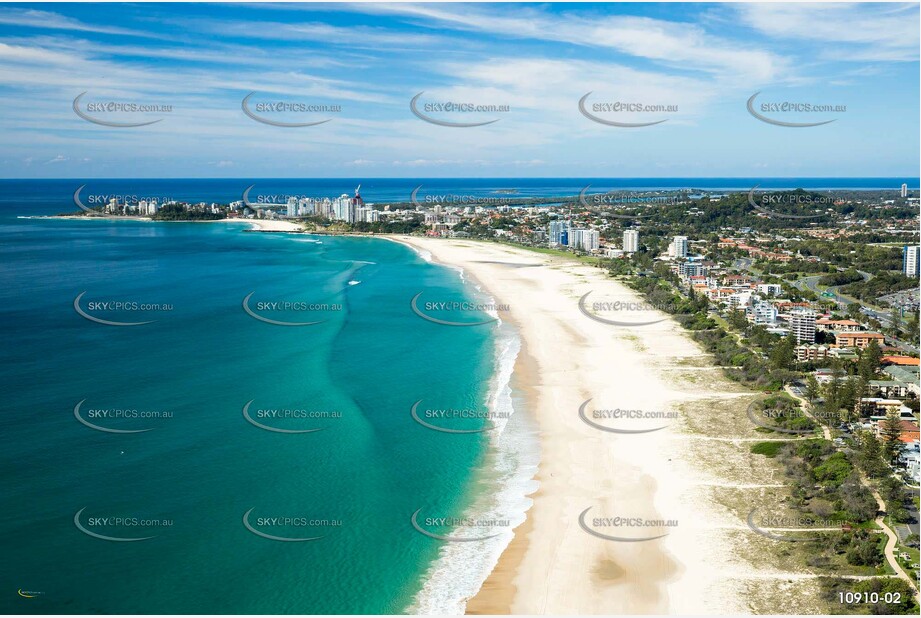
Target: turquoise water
[{"x": 355, "y": 483}]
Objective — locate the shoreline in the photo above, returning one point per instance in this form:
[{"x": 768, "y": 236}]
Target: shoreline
[
  {"x": 510, "y": 465},
  {"x": 258, "y": 225},
  {"x": 551, "y": 565}
]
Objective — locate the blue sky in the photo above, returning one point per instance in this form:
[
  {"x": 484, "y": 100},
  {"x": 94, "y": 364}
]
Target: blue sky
[{"x": 371, "y": 59}]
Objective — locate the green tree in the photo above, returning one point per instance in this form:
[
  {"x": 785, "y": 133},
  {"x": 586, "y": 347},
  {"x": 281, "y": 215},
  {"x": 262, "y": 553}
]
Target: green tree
[
  {"x": 832, "y": 392},
  {"x": 848, "y": 394},
  {"x": 869, "y": 455},
  {"x": 813, "y": 389},
  {"x": 890, "y": 432},
  {"x": 783, "y": 355},
  {"x": 853, "y": 311},
  {"x": 895, "y": 318},
  {"x": 870, "y": 360},
  {"x": 912, "y": 326}
]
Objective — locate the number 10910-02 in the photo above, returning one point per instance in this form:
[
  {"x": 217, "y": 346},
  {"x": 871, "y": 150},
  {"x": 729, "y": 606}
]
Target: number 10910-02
[{"x": 869, "y": 597}]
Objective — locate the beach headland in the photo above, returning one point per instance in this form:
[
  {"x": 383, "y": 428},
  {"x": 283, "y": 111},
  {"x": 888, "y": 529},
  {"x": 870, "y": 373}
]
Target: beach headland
[
  {"x": 257, "y": 225},
  {"x": 560, "y": 560}
]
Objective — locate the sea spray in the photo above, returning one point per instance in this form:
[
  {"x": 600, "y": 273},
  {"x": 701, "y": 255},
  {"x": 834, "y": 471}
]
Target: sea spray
[{"x": 501, "y": 493}]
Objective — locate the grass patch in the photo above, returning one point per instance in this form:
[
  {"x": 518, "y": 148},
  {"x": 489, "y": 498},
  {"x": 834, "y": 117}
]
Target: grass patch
[{"x": 768, "y": 449}]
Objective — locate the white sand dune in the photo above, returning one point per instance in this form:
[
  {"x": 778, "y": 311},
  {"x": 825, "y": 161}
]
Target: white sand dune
[{"x": 553, "y": 565}]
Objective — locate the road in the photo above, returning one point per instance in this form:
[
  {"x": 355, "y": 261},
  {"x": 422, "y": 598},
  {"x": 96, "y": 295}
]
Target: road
[
  {"x": 893, "y": 539},
  {"x": 807, "y": 410},
  {"x": 883, "y": 317}
]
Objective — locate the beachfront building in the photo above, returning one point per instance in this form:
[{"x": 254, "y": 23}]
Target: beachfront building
[
  {"x": 631, "y": 241},
  {"x": 910, "y": 457},
  {"x": 909, "y": 431},
  {"x": 842, "y": 326},
  {"x": 586, "y": 240},
  {"x": 148, "y": 207},
  {"x": 802, "y": 325},
  {"x": 811, "y": 352},
  {"x": 762, "y": 313},
  {"x": 910, "y": 256},
  {"x": 880, "y": 407},
  {"x": 344, "y": 209},
  {"x": 693, "y": 268},
  {"x": 558, "y": 233},
  {"x": 857, "y": 340},
  {"x": 888, "y": 389},
  {"x": 769, "y": 289},
  {"x": 905, "y": 375}
]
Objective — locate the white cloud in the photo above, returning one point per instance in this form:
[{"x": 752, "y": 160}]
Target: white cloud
[
  {"x": 673, "y": 43},
  {"x": 862, "y": 32},
  {"x": 32, "y": 18}
]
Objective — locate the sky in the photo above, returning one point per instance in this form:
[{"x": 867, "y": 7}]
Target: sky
[{"x": 530, "y": 64}]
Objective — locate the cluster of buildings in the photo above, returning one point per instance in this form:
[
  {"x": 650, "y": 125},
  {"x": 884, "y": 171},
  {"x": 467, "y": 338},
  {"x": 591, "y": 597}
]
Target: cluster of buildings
[
  {"x": 763, "y": 306},
  {"x": 140, "y": 208},
  {"x": 560, "y": 233},
  {"x": 150, "y": 207},
  {"x": 898, "y": 388},
  {"x": 349, "y": 209},
  {"x": 891, "y": 394}
]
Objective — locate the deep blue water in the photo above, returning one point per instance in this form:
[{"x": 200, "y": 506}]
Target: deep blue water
[{"x": 357, "y": 481}]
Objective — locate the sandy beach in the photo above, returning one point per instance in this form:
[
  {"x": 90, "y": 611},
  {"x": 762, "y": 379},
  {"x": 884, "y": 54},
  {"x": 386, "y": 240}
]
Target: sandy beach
[
  {"x": 556, "y": 563},
  {"x": 260, "y": 225},
  {"x": 269, "y": 225}
]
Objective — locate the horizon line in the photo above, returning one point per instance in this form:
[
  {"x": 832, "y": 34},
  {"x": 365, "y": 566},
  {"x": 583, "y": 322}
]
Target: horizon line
[{"x": 460, "y": 177}]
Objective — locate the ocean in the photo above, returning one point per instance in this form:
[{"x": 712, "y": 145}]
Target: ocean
[
  {"x": 198, "y": 480},
  {"x": 207, "y": 460}
]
